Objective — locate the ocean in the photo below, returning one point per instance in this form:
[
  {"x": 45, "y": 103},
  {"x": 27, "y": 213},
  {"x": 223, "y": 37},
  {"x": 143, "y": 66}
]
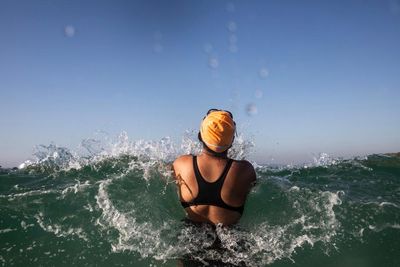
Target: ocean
[{"x": 114, "y": 203}]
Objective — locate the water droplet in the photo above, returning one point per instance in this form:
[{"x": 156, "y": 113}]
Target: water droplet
[
  {"x": 213, "y": 62},
  {"x": 233, "y": 38},
  {"x": 263, "y": 73},
  {"x": 258, "y": 94},
  {"x": 208, "y": 48},
  {"x": 232, "y": 27},
  {"x": 230, "y": 7},
  {"x": 69, "y": 31},
  {"x": 158, "y": 48},
  {"x": 251, "y": 109}
]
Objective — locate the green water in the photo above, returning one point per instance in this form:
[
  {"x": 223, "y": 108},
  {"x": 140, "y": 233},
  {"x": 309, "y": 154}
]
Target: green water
[{"x": 123, "y": 211}]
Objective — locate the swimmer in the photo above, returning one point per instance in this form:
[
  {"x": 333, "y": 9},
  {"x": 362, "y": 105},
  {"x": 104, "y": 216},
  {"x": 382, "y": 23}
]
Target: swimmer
[{"x": 212, "y": 187}]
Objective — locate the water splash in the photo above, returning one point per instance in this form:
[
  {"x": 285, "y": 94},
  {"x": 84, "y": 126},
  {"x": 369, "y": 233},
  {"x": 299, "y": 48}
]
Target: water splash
[
  {"x": 112, "y": 207},
  {"x": 144, "y": 154},
  {"x": 323, "y": 159},
  {"x": 53, "y": 157}
]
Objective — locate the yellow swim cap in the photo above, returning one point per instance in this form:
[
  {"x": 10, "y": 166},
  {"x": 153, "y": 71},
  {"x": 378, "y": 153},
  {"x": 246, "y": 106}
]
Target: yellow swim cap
[{"x": 217, "y": 130}]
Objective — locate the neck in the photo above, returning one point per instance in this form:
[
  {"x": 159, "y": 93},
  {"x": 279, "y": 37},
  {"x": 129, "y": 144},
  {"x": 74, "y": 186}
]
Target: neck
[{"x": 223, "y": 155}]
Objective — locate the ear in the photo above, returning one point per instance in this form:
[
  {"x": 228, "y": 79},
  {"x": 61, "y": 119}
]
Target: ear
[{"x": 233, "y": 140}]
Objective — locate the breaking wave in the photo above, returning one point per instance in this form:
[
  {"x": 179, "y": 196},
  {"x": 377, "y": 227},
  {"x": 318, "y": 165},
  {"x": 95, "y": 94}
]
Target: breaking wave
[{"x": 114, "y": 202}]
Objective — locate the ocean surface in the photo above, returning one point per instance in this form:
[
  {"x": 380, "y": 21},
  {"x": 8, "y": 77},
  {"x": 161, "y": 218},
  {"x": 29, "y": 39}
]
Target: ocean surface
[{"x": 114, "y": 203}]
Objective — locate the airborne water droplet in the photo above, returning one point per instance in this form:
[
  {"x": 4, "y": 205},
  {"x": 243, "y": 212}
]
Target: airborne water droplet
[
  {"x": 213, "y": 62},
  {"x": 263, "y": 73},
  {"x": 208, "y": 48},
  {"x": 251, "y": 109},
  {"x": 258, "y": 93},
  {"x": 233, "y": 39},
  {"x": 69, "y": 31},
  {"x": 230, "y": 7},
  {"x": 233, "y": 48},
  {"x": 232, "y": 27}
]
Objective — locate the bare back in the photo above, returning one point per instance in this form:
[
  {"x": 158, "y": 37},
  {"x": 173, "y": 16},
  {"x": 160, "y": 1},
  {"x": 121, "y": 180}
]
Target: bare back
[{"x": 234, "y": 191}]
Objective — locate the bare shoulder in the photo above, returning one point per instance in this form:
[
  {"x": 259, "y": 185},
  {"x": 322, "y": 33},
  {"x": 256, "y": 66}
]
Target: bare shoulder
[
  {"x": 182, "y": 160},
  {"x": 244, "y": 165},
  {"x": 246, "y": 169}
]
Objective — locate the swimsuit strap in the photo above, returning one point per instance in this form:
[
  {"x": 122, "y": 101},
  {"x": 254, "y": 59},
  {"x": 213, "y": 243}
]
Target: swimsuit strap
[
  {"x": 220, "y": 181},
  {"x": 209, "y": 193}
]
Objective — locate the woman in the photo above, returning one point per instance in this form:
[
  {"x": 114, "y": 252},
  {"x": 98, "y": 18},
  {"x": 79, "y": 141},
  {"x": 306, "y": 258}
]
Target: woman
[{"x": 212, "y": 187}]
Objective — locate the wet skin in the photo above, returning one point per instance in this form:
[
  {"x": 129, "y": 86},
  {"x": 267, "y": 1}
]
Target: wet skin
[{"x": 238, "y": 182}]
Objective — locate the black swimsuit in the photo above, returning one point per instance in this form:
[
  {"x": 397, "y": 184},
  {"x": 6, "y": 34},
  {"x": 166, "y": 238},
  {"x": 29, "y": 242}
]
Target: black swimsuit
[{"x": 210, "y": 193}]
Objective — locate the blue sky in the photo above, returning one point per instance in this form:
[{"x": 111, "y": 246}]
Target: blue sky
[{"x": 324, "y": 76}]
